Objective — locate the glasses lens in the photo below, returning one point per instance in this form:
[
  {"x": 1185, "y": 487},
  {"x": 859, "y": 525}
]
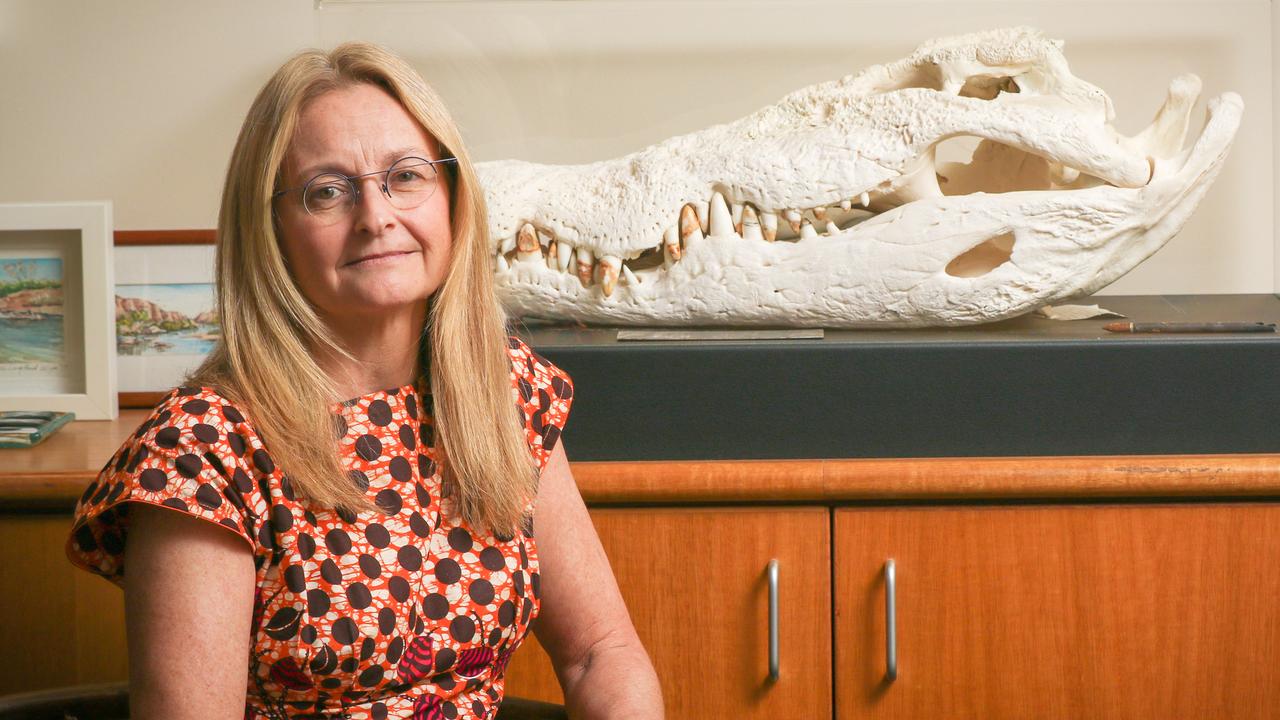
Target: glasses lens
[
  {"x": 410, "y": 182},
  {"x": 327, "y": 196}
]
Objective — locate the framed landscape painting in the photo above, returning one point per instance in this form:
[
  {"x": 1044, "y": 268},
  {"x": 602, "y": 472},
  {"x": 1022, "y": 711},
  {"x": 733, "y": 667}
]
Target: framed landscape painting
[
  {"x": 166, "y": 321},
  {"x": 57, "y": 330}
]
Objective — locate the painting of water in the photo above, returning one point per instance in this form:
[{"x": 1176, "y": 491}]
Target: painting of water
[
  {"x": 31, "y": 313},
  {"x": 165, "y": 319}
]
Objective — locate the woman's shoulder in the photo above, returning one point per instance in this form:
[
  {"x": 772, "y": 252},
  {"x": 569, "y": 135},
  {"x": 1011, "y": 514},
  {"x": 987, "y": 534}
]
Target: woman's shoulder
[
  {"x": 545, "y": 394},
  {"x": 195, "y": 453},
  {"x": 204, "y": 412},
  {"x": 530, "y": 367}
]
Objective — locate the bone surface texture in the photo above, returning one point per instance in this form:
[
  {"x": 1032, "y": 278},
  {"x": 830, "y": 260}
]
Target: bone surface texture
[{"x": 880, "y": 226}]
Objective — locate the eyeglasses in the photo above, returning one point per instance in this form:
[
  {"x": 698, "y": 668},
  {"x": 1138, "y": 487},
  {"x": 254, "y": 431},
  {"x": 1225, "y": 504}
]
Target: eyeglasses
[{"x": 332, "y": 196}]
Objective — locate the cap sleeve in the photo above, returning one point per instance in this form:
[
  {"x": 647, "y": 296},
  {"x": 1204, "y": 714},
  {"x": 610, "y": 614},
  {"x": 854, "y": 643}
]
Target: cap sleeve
[
  {"x": 544, "y": 394},
  {"x": 188, "y": 456}
]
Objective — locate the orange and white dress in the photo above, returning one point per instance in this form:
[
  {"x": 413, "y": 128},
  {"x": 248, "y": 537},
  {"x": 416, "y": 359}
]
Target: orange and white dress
[{"x": 406, "y": 612}]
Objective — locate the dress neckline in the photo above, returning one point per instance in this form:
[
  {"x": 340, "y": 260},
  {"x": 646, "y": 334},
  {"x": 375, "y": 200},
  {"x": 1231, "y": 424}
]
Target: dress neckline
[{"x": 419, "y": 387}]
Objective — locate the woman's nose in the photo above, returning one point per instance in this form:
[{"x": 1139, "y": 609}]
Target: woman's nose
[{"x": 373, "y": 209}]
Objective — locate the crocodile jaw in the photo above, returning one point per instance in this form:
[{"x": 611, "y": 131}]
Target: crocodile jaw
[{"x": 917, "y": 255}]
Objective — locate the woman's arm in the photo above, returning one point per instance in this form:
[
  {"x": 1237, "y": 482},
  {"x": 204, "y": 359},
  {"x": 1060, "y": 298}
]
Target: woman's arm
[
  {"x": 188, "y": 593},
  {"x": 583, "y": 624}
]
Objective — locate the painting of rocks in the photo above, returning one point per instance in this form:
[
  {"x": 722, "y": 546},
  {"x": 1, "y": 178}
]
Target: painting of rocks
[
  {"x": 165, "y": 319},
  {"x": 31, "y": 333}
]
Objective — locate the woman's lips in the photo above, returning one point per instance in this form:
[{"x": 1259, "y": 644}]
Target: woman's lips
[{"x": 378, "y": 258}]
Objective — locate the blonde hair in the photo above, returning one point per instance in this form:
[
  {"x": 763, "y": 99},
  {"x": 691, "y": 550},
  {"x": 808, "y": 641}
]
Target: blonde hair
[{"x": 265, "y": 359}]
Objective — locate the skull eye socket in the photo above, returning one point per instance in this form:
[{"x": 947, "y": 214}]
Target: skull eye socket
[
  {"x": 969, "y": 164},
  {"x": 988, "y": 87}
]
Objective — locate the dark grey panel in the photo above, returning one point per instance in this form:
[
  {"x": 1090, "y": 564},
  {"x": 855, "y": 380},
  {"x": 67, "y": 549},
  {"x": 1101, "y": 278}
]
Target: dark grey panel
[{"x": 1029, "y": 386}]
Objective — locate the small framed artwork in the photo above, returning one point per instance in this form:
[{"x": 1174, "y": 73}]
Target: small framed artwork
[
  {"x": 57, "y": 330},
  {"x": 166, "y": 320}
]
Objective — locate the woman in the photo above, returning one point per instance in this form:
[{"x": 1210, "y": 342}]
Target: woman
[{"x": 393, "y": 572}]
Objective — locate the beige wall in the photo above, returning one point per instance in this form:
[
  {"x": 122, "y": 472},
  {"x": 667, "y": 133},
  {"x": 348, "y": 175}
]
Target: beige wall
[
  {"x": 1275, "y": 149},
  {"x": 138, "y": 101}
]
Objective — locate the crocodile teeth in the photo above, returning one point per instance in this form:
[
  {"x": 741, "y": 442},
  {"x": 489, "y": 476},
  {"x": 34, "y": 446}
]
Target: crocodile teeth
[
  {"x": 700, "y": 208},
  {"x": 820, "y": 214},
  {"x": 865, "y": 199},
  {"x": 769, "y": 225},
  {"x": 832, "y": 228},
  {"x": 564, "y": 256},
  {"x": 609, "y": 267},
  {"x": 629, "y": 276},
  {"x": 750, "y": 224},
  {"x": 793, "y": 217},
  {"x": 553, "y": 254},
  {"x": 586, "y": 263},
  {"x": 721, "y": 220},
  {"x": 526, "y": 238},
  {"x": 806, "y": 231},
  {"x": 735, "y": 211},
  {"x": 527, "y": 247},
  {"x": 671, "y": 245},
  {"x": 690, "y": 230},
  {"x": 503, "y": 265},
  {"x": 846, "y": 204}
]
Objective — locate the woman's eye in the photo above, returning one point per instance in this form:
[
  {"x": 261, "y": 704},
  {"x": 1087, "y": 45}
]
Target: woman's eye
[
  {"x": 327, "y": 192},
  {"x": 408, "y": 176}
]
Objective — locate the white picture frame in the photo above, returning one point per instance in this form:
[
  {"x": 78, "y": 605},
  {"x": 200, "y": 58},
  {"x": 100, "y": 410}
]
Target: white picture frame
[{"x": 77, "y": 370}]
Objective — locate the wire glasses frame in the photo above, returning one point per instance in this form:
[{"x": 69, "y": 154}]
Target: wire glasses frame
[{"x": 408, "y": 183}]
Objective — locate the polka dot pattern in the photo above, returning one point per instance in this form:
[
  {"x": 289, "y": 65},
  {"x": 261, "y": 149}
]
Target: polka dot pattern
[{"x": 399, "y": 611}]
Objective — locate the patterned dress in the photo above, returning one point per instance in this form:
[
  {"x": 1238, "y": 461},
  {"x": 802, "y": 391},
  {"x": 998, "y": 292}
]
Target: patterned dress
[{"x": 406, "y": 612}]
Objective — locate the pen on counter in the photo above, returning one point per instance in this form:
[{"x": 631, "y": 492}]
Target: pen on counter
[{"x": 1189, "y": 327}]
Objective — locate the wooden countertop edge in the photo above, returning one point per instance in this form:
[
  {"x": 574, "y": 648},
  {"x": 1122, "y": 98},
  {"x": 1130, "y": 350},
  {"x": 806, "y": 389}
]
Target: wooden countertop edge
[
  {"x": 827, "y": 481},
  {"x": 836, "y": 480}
]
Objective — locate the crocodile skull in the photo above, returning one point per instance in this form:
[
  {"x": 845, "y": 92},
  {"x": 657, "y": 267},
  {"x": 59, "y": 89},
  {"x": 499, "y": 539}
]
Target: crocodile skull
[{"x": 832, "y": 208}]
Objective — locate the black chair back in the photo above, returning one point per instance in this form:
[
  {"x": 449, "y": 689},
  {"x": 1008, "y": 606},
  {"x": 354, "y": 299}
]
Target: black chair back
[{"x": 109, "y": 701}]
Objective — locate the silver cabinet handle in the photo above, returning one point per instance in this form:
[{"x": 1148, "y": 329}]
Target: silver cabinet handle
[
  {"x": 773, "y": 620},
  {"x": 890, "y": 620}
]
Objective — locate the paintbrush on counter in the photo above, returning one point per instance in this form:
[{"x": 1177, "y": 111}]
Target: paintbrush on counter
[{"x": 1190, "y": 327}]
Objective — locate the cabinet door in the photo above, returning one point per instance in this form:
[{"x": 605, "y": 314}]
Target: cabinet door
[
  {"x": 1117, "y": 611},
  {"x": 60, "y": 626},
  {"x": 696, "y": 584}
]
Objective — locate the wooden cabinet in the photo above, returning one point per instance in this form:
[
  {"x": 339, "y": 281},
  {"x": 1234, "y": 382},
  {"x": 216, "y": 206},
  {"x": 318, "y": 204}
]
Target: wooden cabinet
[
  {"x": 1081, "y": 587},
  {"x": 1075, "y": 611},
  {"x": 65, "y": 625},
  {"x": 1003, "y": 611},
  {"x": 695, "y": 584}
]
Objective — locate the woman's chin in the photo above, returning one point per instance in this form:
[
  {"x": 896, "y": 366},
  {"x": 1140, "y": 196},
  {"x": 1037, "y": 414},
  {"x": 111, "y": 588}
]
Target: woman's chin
[{"x": 378, "y": 303}]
